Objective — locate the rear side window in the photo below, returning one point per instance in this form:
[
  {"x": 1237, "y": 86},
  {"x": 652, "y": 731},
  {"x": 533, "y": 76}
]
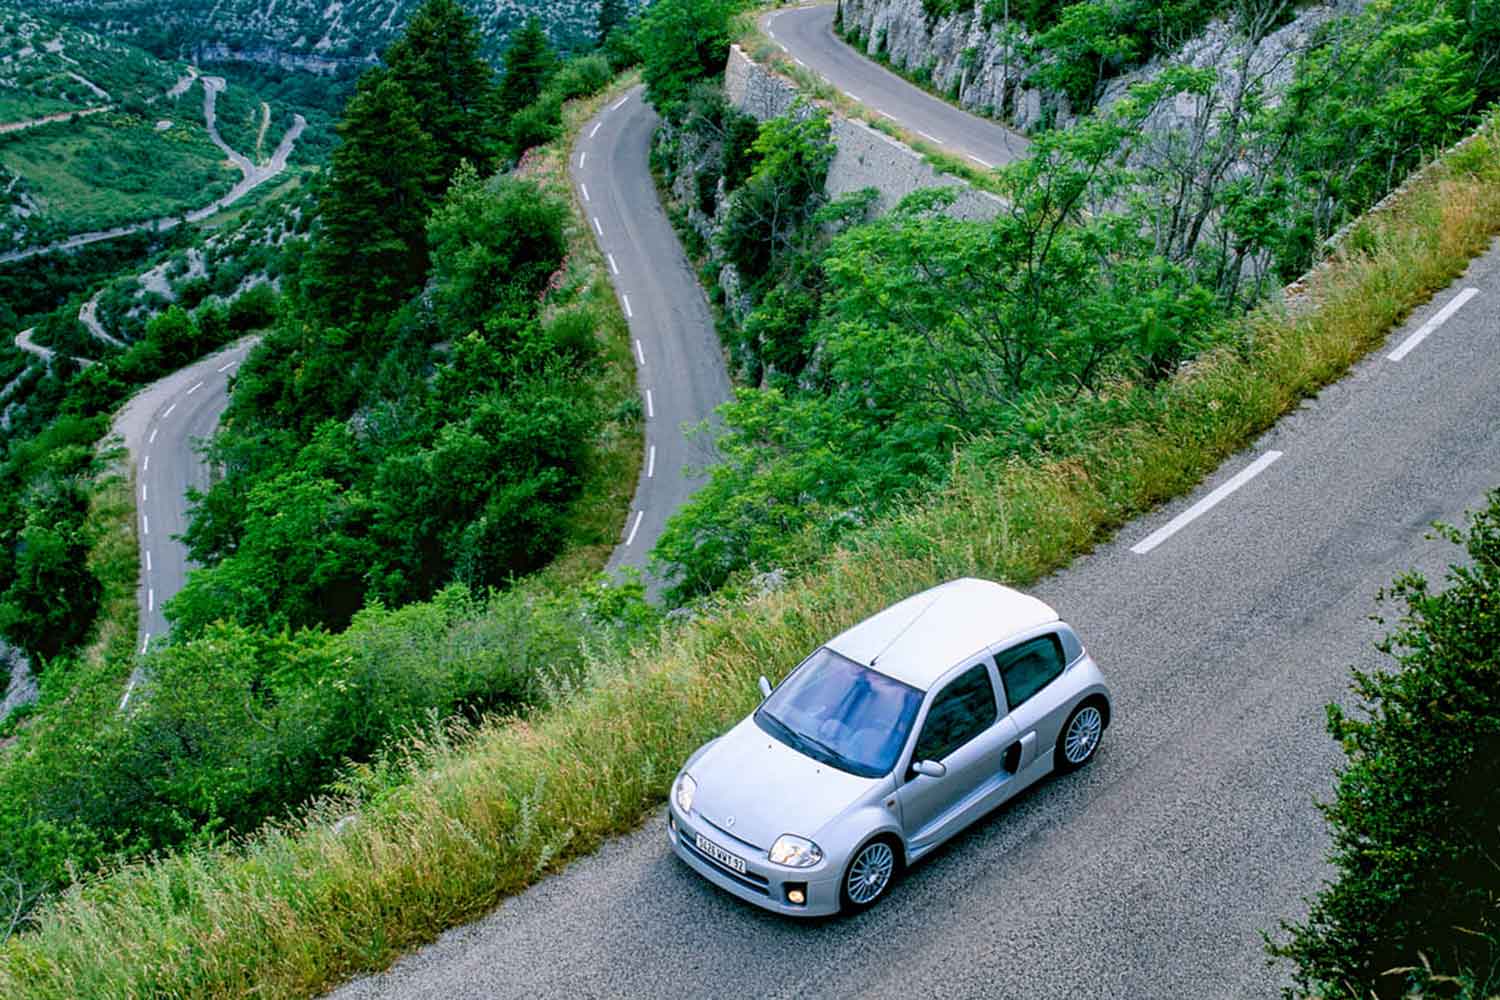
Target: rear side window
[
  {"x": 1030, "y": 667},
  {"x": 960, "y": 712}
]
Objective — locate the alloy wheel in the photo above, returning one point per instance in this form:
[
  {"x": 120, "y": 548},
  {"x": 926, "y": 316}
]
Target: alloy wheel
[{"x": 1082, "y": 737}]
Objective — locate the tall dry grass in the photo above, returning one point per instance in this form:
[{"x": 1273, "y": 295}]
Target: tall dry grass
[{"x": 296, "y": 910}]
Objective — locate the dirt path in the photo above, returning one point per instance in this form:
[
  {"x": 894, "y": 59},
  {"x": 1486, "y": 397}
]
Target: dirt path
[{"x": 61, "y": 116}]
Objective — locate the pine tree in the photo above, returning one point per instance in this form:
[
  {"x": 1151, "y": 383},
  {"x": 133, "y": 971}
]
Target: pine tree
[
  {"x": 371, "y": 250},
  {"x": 612, "y": 14},
  {"x": 528, "y": 63},
  {"x": 437, "y": 61}
]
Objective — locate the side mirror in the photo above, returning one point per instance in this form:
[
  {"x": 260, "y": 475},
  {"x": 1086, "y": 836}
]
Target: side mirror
[
  {"x": 931, "y": 768},
  {"x": 765, "y": 687}
]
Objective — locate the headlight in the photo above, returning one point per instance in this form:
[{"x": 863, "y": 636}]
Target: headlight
[
  {"x": 684, "y": 792},
  {"x": 795, "y": 852}
]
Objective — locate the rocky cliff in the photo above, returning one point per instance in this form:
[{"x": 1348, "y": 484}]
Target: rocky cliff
[{"x": 989, "y": 66}]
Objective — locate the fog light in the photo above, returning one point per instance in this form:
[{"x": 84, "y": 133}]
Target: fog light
[{"x": 796, "y": 893}]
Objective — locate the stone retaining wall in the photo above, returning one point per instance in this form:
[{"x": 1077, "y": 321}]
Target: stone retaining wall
[{"x": 865, "y": 158}]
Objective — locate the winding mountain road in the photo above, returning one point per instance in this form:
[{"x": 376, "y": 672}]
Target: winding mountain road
[
  {"x": 1226, "y": 621},
  {"x": 252, "y": 176},
  {"x": 680, "y": 365},
  {"x": 806, "y": 34},
  {"x": 161, "y": 427}
]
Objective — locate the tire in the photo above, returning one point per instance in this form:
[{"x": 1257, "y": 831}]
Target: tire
[
  {"x": 1080, "y": 737},
  {"x": 879, "y": 858}
]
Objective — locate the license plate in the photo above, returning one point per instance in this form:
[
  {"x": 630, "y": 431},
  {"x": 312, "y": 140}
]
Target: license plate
[{"x": 720, "y": 855}]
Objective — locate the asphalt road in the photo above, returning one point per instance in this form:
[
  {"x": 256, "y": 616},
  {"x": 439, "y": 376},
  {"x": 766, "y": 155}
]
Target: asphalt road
[
  {"x": 680, "y": 365},
  {"x": 161, "y": 427},
  {"x": 1153, "y": 872},
  {"x": 806, "y": 33}
]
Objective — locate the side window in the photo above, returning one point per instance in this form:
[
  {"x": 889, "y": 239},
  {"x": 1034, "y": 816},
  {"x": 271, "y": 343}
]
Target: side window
[
  {"x": 1030, "y": 667},
  {"x": 960, "y": 712}
]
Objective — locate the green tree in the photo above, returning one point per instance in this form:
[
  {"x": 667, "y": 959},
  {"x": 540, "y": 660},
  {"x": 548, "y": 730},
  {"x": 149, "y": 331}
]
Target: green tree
[
  {"x": 1415, "y": 895},
  {"x": 371, "y": 250},
  {"x": 682, "y": 42},
  {"x": 437, "y": 60},
  {"x": 494, "y": 245},
  {"x": 53, "y": 597},
  {"x": 529, "y": 62},
  {"x": 785, "y": 189},
  {"x": 612, "y": 16}
]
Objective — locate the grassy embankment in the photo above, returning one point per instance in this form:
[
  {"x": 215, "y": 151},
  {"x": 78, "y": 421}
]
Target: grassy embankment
[
  {"x": 296, "y": 909},
  {"x": 595, "y": 521}
]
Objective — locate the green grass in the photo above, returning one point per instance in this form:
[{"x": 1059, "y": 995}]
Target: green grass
[
  {"x": 486, "y": 813},
  {"x": 25, "y": 107},
  {"x": 112, "y": 169}
]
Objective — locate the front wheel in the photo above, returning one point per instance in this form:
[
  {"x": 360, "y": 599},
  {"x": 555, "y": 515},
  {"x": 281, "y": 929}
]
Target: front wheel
[
  {"x": 869, "y": 876},
  {"x": 1080, "y": 737}
]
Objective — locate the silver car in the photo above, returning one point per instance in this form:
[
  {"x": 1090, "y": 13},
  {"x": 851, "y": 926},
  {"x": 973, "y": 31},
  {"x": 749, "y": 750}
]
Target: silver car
[{"x": 885, "y": 743}]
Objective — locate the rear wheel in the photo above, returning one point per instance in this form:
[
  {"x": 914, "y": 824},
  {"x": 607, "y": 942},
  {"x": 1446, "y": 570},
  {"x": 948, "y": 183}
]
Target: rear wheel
[
  {"x": 872, "y": 870},
  {"x": 1080, "y": 737}
]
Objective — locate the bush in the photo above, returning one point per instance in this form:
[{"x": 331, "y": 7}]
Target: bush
[
  {"x": 255, "y": 309},
  {"x": 581, "y": 76},
  {"x": 682, "y": 42},
  {"x": 1415, "y": 818}
]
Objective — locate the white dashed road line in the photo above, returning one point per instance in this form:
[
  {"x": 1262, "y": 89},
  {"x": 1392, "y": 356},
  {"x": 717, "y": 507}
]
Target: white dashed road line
[
  {"x": 651, "y": 463},
  {"x": 144, "y": 492},
  {"x": 613, "y": 267},
  {"x": 595, "y": 130},
  {"x": 986, "y": 164},
  {"x": 1205, "y": 505},
  {"x": 585, "y": 189},
  {"x": 145, "y": 641},
  {"x": 1426, "y": 330},
  {"x": 620, "y": 103},
  {"x": 169, "y": 411},
  {"x": 598, "y": 228},
  {"x": 626, "y": 299},
  {"x": 225, "y": 367},
  {"x": 635, "y": 527},
  {"x": 148, "y": 560},
  {"x": 145, "y": 524},
  {"x": 640, "y": 355},
  {"x": 152, "y": 439},
  {"x": 650, "y": 406},
  {"x": 582, "y": 159},
  {"x": 195, "y": 388},
  {"x": 150, "y": 598},
  {"x": 146, "y": 464}
]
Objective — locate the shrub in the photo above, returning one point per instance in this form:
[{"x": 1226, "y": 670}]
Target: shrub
[
  {"x": 582, "y": 76},
  {"x": 1415, "y": 818},
  {"x": 255, "y": 309}
]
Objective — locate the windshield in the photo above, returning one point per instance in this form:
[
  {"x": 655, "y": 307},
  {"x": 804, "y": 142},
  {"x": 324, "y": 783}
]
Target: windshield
[{"x": 836, "y": 711}]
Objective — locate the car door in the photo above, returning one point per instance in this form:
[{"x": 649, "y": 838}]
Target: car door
[
  {"x": 1028, "y": 674},
  {"x": 965, "y": 730}
]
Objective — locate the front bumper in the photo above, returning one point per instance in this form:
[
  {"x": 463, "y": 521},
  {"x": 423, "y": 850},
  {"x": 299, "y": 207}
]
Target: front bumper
[{"x": 763, "y": 883}]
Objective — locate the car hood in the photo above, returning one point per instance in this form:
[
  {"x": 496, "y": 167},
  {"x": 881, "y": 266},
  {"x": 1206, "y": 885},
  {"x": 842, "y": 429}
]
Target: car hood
[{"x": 757, "y": 788}]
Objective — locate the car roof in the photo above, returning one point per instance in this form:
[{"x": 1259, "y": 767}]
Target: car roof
[{"x": 919, "y": 639}]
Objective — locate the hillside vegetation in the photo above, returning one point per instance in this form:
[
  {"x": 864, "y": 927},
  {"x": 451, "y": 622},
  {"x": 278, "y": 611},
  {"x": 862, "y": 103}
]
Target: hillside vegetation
[
  {"x": 443, "y": 402},
  {"x": 323, "y": 35}
]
